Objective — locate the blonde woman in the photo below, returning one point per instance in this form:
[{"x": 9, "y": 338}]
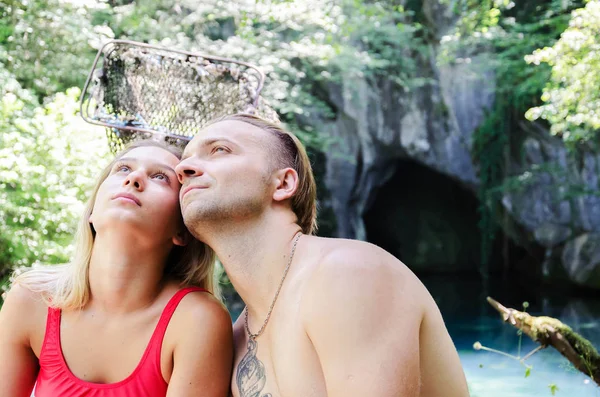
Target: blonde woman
[{"x": 135, "y": 313}]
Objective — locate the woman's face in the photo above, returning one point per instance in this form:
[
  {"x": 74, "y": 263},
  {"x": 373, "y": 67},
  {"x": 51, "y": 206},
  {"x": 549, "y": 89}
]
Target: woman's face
[{"x": 141, "y": 192}]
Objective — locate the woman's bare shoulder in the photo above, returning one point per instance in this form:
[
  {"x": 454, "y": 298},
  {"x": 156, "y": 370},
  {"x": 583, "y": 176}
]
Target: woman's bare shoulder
[
  {"x": 21, "y": 299},
  {"x": 23, "y": 314},
  {"x": 197, "y": 310},
  {"x": 205, "y": 308}
]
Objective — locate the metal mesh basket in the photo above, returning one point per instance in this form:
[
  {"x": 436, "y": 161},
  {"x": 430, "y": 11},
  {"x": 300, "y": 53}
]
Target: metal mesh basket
[{"x": 143, "y": 91}]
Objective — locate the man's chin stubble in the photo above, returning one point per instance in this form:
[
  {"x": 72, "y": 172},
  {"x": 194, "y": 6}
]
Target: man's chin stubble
[{"x": 197, "y": 218}]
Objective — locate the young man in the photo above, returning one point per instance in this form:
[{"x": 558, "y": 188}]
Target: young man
[{"x": 324, "y": 317}]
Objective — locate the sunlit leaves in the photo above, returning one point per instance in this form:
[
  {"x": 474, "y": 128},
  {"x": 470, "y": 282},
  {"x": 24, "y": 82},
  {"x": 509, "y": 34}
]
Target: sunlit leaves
[
  {"x": 571, "y": 98},
  {"x": 47, "y": 43},
  {"x": 48, "y": 159}
]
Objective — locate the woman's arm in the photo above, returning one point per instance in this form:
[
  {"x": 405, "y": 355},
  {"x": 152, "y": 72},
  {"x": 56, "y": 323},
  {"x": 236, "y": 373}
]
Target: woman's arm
[
  {"x": 203, "y": 353},
  {"x": 19, "y": 365}
]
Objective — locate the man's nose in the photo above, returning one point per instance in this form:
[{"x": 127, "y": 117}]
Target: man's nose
[
  {"x": 187, "y": 169},
  {"x": 135, "y": 179}
]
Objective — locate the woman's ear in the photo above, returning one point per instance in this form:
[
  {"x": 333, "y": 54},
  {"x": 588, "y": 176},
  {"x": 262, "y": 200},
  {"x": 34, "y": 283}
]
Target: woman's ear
[
  {"x": 286, "y": 180},
  {"x": 182, "y": 238}
]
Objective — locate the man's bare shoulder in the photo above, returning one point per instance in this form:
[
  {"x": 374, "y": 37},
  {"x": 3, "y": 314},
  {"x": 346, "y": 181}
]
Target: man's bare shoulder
[
  {"x": 344, "y": 260},
  {"x": 350, "y": 269},
  {"x": 339, "y": 251},
  {"x": 362, "y": 310}
]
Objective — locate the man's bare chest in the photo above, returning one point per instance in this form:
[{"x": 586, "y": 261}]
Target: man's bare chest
[{"x": 281, "y": 366}]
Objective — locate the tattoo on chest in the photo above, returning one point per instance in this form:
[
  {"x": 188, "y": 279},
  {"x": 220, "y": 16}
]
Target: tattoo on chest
[{"x": 250, "y": 374}]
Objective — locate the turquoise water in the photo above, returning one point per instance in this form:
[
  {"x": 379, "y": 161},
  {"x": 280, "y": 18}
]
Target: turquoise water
[{"x": 493, "y": 375}]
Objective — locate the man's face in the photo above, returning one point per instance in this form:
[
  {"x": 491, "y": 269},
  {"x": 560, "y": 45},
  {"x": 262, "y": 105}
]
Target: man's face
[{"x": 225, "y": 173}]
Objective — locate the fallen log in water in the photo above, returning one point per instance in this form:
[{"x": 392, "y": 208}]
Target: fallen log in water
[{"x": 548, "y": 331}]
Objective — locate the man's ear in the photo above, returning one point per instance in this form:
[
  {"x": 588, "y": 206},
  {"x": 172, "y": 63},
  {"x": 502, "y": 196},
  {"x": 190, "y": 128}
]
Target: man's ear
[
  {"x": 182, "y": 238},
  {"x": 286, "y": 180}
]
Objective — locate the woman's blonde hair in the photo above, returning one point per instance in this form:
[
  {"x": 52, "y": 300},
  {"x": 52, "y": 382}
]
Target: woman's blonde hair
[{"x": 67, "y": 286}]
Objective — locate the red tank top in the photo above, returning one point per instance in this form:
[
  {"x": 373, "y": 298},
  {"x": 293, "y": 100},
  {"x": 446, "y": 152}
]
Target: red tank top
[{"x": 55, "y": 378}]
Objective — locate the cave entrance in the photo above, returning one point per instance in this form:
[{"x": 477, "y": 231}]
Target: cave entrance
[{"x": 427, "y": 220}]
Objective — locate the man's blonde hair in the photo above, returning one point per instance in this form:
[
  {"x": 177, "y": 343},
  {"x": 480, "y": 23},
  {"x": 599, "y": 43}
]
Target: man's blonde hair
[
  {"x": 67, "y": 286},
  {"x": 289, "y": 152}
]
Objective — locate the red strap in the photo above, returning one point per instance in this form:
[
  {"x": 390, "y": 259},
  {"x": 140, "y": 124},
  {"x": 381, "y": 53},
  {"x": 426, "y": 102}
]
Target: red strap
[
  {"x": 161, "y": 328},
  {"x": 52, "y": 334}
]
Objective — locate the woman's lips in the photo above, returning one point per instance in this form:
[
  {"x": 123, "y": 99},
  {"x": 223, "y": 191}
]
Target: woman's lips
[{"x": 128, "y": 197}]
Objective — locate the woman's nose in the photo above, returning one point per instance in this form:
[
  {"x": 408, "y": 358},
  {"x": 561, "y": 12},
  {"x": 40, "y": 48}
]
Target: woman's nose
[{"x": 135, "y": 179}]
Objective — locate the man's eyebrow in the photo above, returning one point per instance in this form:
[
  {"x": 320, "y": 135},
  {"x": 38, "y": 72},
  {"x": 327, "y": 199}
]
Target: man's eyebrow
[
  {"x": 204, "y": 143},
  {"x": 153, "y": 164},
  {"x": 210, "y": 141}
]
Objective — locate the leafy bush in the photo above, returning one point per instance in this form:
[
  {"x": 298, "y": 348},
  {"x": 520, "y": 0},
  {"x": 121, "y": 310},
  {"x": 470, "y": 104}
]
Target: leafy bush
[
  {"x": 48, "y": 160},
  {"x": 571, "y": 97}
]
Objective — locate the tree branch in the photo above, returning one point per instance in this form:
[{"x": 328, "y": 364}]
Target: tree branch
[{"x": 549, "y": 331}]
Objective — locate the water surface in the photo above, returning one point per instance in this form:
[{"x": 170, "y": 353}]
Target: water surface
[{"x": 469, "y": 319}]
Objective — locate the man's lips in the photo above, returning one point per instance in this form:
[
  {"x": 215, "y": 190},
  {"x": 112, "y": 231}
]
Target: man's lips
[
  {"x": 191, "y": 187},
  {"x": 128, "y": 196}
]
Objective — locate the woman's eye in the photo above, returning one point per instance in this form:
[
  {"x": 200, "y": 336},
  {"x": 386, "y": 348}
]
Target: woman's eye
[
  {"x": 123, "y": 168},
  {"x": 219, "y": 149},
  {"x": 161, "y": 177}
]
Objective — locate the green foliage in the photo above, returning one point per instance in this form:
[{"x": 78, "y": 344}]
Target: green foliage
[
  {"x": 392, "y": 43},
  {"x": 46, "y": 44},
  {"x": 571, "y": 97},
  {"x": 3, "y": 288},
  {"x": 478, "y": 16},
  {"x": 48, "y": 159}
]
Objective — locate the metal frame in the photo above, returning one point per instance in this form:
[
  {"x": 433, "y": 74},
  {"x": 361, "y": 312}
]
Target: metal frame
[{"x": 85, "y": 114}]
